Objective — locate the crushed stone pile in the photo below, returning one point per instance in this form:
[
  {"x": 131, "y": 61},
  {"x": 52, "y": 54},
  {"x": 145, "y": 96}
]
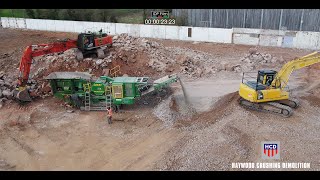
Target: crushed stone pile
[
  {"x": 174, "y": 108},
  {"x": 7, "y": 85}
]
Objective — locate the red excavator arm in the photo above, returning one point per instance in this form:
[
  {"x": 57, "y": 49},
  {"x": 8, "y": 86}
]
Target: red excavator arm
[
  {"x": 38, "y": 50},
  {"x": 26, "y": 61}
]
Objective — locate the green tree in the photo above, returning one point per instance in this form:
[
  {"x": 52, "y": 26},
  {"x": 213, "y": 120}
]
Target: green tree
[
  {"x": 182, "y": 20},
  {"x": 52, "y": 14},
  {"x": 104, "y": 14},
  {"x": 71, "y": 14},
  {"x": 144, "y": 14},
  {"x": 67, "y": 14},
  {"x": 38, "y": 14},
  {"x": 30, "y": 13},
  {"x": 87, "y": 14}
]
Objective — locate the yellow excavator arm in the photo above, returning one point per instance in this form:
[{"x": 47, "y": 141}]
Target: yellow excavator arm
[{"x": 282, "y": 77}]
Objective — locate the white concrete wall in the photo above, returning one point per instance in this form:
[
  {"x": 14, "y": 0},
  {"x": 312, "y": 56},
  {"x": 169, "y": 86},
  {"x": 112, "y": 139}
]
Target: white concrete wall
[
  {"x": 246, "y": 39},
  {"x": 183, "y": 33},
  {"x": 158, "y": 31},
  {"x": 300, "y": 39},
  {"x": 145, "y": 31},
  {"x": 150, "y": 31},
  {"x": 31, "y": 24},
  {"x": 307, "y": 40},
  {"x": 262, "y": 37},
  {"x": 199, "y": 34},
  {"x": 270, "y": 40},
  {"x": 220, "y": 35},
  {"x": 172, "y": 32},
  {"x": 59, "y": 26},
  {"x": 246, "y": 31},
  {"x": 122, "y": 28}
]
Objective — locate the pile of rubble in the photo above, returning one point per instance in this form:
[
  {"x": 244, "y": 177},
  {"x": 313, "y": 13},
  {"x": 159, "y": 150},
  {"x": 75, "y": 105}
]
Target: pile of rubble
[
  {"x": 254, "y": 59},
  {"x": 6, "y": 88},
  {"x": 251, "y": 61},
  {"x": 160, "y": 58},
  {"x": 190, "y": 62},
  {"x": 166, "y": 59}
]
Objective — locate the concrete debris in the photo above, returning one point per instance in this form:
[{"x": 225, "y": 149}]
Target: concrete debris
[
  {"x": 6, "y": 87},
  {"x": 70, "y": 111},
  {"x": 105, "y": 72},
  {"x": 255, "y": 59},
  {"x": 7, "y": 93},
  {"x": 164, "y": 59},
  {"x": 253, "y": 51},
  {"x": 99, "y": 61},
  {"x": 1, "y": 74}
]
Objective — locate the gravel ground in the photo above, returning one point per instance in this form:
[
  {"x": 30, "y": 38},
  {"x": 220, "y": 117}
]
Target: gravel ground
[{"x": 161, "y": 132}]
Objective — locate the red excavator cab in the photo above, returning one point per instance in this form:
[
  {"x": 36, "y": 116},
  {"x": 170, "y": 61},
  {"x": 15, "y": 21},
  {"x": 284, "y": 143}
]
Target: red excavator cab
[{"x": 91, "y": 43}]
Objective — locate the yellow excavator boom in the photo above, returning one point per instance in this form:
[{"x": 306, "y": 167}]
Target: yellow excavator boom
[{"x": 282, "y": 77}]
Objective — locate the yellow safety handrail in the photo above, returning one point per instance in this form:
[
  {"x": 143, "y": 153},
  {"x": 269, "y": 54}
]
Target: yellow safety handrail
[
  {"x": 113, "y": 72},
  {"x": 87, "y": 87},
  {"x": 108, "y": 90}
]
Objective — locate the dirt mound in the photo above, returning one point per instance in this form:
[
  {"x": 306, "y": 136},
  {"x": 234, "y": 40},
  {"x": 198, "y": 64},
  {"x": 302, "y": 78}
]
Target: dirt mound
[{"x": 221, "y": 108}]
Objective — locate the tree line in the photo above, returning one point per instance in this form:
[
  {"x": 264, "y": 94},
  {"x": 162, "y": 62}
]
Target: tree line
[{"x": 97, "y": 15}]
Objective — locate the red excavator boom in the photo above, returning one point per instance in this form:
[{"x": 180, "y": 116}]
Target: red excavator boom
[
  {"x": 21, "y": 92},
  {"x": 38, "y": 50}
]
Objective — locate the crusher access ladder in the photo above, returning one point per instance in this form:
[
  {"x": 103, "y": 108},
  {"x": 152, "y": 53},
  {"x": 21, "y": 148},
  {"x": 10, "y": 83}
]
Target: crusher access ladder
[
  {"x": 87, "y": 90},
  {"x": 99, "y": 106},
  {"x": 108, "y": 102}
]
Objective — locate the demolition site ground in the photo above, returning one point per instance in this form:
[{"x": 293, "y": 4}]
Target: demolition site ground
[{"x": 158, "y": 132}]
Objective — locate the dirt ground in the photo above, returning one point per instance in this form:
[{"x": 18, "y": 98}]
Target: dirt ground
[{"x": 159, "y": 132}]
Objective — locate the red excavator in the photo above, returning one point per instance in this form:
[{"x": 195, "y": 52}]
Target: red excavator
[{"x": 87, "y": 43}]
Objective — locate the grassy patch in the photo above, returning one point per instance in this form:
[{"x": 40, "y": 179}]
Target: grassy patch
[{"x": 12, "y": 13}]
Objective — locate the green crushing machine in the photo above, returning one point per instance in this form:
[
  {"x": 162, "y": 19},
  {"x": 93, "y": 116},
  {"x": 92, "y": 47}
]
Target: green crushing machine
[{"x": 83, "y": 91}]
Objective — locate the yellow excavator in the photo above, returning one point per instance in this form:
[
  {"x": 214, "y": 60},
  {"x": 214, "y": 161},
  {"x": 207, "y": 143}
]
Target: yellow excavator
[{"x": 268, "y": 92}]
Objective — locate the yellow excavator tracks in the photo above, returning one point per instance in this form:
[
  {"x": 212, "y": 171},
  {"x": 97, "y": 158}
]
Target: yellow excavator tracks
[{"x": 269, "y": 107}]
